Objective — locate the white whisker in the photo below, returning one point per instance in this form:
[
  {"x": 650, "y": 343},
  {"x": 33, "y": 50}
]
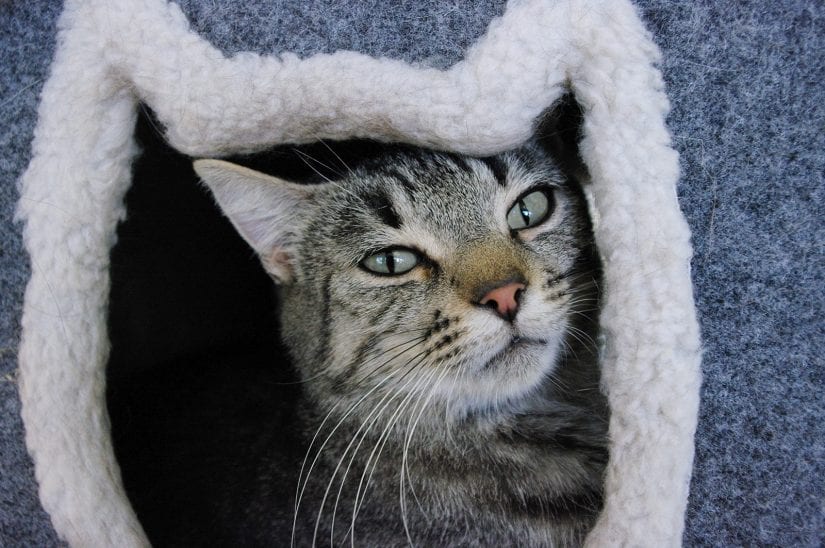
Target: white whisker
[
  {"x": 379, "y": 445},
  {"x": 365, "y": 427},
  {"x": 338, "y": 425},
  {"x": 405, "y": 452}
]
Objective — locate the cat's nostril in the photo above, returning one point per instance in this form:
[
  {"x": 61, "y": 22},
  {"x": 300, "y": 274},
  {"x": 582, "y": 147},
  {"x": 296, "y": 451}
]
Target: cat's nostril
[{"x": 504, "y": 299}]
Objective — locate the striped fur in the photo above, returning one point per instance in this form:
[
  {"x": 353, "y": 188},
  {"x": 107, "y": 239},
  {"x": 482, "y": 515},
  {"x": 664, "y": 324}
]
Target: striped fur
[{"x": 430, "y": 420}]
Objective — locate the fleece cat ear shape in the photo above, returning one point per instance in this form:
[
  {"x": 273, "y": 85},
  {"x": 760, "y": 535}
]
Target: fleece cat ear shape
[
  {"x": 265, "y": 210},
  {"x": 113, "y": 53}
]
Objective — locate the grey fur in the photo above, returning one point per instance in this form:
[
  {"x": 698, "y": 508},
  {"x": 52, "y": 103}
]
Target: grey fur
[{"x": 428, "y": 416}]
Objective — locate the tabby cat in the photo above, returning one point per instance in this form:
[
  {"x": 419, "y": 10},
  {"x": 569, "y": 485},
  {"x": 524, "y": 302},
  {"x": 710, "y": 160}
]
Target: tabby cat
[{"x": 441, "y": 312}]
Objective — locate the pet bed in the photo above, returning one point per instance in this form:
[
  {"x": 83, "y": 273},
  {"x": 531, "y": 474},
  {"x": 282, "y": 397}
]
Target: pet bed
[{"x": 113, "y": 55}]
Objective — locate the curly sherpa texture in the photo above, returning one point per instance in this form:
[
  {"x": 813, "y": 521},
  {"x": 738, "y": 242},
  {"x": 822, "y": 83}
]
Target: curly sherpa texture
[
  {"x": 22, "y": 520},
  {"x": 113, "y": 53},
  {"x": 745, "y": 82}
]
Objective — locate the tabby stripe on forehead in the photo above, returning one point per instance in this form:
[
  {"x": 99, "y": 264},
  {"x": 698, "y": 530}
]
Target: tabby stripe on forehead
[
  {"x": 459, "y": 161},
  {"x": 404, "y": 179},
  {"x": 379, "y": 202},
  {"x": 497, "y": 167}
]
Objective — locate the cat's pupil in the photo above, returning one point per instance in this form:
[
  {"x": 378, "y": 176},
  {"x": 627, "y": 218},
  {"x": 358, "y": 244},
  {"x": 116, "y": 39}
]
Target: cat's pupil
[
  {"x": 389, "y": 261},
  {"x": 525, "y": 212}
]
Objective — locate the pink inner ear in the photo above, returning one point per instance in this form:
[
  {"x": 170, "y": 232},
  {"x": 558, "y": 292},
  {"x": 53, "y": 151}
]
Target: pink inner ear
[{"x": 279, "y": 263}]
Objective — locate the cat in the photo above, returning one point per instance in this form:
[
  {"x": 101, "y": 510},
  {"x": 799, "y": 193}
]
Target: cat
[{"x": 441, "y": 311}]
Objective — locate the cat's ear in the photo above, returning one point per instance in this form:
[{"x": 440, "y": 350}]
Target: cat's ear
[
  {"x": 559, "y": 130},
  {"x": 268, "y": 212}
]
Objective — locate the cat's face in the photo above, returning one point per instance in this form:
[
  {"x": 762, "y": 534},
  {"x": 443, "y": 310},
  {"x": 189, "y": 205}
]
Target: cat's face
[{"x": 427, "y": 275}]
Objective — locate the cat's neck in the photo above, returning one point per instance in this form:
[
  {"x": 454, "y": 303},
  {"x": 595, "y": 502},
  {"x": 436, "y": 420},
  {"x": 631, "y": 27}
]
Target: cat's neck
[
  {"x": 552, "y": 450},
  {"x": 409, "y": 418}
]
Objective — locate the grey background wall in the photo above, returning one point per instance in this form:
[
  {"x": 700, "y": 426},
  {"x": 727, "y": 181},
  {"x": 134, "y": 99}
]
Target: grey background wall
[{"x": 745, "y": 81}]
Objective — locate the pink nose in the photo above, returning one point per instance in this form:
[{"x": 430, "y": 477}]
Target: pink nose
[{"x": 504, "y": 299}]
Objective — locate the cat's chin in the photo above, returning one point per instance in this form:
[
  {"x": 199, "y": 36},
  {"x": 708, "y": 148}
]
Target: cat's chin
[{"x": 505, "y": 378}]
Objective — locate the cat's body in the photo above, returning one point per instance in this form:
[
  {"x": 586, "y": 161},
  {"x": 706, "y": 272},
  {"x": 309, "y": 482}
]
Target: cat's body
[{"x": 440, "y": 311}]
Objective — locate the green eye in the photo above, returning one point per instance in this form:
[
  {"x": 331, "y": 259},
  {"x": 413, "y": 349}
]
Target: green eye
[
  {"x": 391, "y": 262},
  {"x": 529, "y": 210}
]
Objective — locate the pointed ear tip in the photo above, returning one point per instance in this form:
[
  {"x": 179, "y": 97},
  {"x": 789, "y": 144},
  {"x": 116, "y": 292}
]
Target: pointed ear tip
[{"x": 219, "y": 172}]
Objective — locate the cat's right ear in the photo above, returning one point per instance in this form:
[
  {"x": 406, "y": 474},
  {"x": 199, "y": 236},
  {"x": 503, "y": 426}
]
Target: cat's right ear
[
  {"x": 559, "y": 131},
  {"x": 268, "y": 212}
]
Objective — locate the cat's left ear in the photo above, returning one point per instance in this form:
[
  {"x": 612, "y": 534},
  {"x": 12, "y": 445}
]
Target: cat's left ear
[{"x": 268, "y": 212}]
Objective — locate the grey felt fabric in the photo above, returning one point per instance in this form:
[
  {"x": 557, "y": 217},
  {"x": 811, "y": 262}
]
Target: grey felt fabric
[
  {"x": 27, "y": 41},
  {"x": 748, "y": 119}
]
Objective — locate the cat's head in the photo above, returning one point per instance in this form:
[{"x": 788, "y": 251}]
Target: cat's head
[{"x": 421, "y": 274}]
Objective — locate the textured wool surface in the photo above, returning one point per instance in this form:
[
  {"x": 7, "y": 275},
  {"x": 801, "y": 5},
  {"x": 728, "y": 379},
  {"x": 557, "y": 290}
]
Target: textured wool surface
[
  {"x": 747, "y": 118},
  {"x": 115, "y": 51},
  {"x": 27, "y": 40}
]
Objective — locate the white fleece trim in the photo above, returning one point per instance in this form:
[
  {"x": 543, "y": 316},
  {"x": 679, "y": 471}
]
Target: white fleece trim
[{"x": 112, "y": 53}]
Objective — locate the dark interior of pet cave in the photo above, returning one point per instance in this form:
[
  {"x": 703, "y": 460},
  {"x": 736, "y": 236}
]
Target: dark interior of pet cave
[{"x": 196, "y": 370}]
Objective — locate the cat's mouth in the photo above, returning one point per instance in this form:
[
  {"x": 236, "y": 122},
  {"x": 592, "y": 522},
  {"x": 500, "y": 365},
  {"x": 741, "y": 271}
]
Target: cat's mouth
[
  {"x": 518, "y": 341},
  {"x": 517, "y": 344}
]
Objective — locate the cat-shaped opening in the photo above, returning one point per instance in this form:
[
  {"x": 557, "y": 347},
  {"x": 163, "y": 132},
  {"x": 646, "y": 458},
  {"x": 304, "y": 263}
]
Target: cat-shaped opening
[{"x": 441, "y": 313}]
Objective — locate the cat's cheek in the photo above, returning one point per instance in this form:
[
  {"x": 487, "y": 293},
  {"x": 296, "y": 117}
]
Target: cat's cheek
[{"x": 542, "y": 322}]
